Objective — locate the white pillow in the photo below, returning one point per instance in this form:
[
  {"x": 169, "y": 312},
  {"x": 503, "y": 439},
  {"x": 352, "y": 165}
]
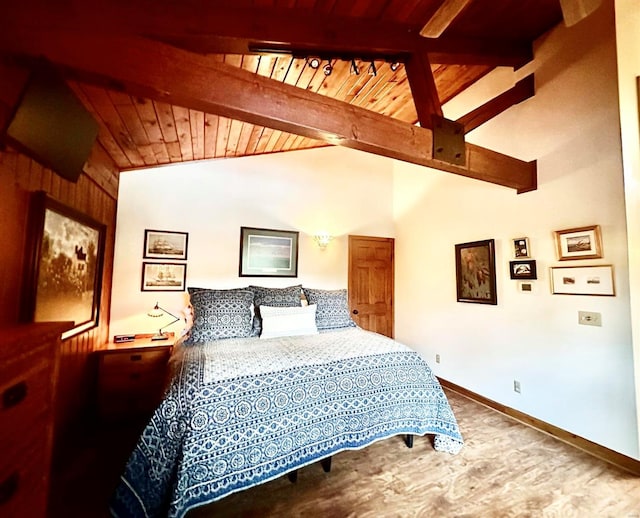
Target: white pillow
[{"x": 288, "y": 321}]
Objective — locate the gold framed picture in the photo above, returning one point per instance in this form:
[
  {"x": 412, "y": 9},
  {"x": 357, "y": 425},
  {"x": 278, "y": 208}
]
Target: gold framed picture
[{"x": 579, "y": 243}]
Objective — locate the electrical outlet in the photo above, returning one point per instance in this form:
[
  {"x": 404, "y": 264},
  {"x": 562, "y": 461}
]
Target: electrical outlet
[
  {"x": 437, "y": 358},
  {"x": 516, "y": 386},
  {"x": 589, "y": 318}
]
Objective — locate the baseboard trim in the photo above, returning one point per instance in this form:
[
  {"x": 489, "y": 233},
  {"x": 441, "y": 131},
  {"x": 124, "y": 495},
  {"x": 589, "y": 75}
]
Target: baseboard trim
[{"x": 613, "y": 457}]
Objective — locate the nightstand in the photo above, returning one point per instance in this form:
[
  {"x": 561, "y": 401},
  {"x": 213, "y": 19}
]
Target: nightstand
[{"x": 132, "y": 377}]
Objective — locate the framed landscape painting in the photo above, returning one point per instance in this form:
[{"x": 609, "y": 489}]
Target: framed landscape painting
[
  {"x": 476, "y": 272},
  {"x": 268, "y": 253},
  {"x": 579, "y": 243},
  {"x": 64, "y": 266}
]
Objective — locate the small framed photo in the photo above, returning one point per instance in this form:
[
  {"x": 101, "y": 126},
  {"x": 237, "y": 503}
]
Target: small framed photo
[
  {"x": 579, "y": 243},
  {"x": 164, "y": 244},
  {"x": 476, "y": 272},
  {"x": 521, "y": 248},
  {"x": 526, "y": 287},
  {"x": 163, "y": 276},
  {"x": 268, "y": 253},
  {"x": 523, "y": 269},
  {"x": 582, "y": 280}
]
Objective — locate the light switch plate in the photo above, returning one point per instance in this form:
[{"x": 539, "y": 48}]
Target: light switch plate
[{"x": 589, "y": 318}]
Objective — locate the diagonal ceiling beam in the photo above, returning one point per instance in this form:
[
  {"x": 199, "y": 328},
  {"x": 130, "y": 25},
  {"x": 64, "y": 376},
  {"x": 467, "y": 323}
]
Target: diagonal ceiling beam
[
  {"x": 443, "y": 17},
  {"x": 423, "y": 89},
  {"x": 160, "y": 72},
  {"x": 522, "y": 90},
  {"x": 215, "y": 29}
]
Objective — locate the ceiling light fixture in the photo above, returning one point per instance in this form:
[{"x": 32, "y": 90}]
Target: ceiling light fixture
[
  {"x": 354, "y": 68},
  {"x": 314, "y": 62},
  {"x": 394, "y": 66},
  {"x": 373, "y": 71},
  {"x": 327, "y": 69}
]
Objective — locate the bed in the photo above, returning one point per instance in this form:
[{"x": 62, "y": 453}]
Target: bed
[{"x": 240, "y": 411}]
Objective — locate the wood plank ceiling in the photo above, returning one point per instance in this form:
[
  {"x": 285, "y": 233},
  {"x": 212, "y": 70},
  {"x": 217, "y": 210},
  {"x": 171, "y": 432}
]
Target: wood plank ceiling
[{"x": 273, "y": 39}]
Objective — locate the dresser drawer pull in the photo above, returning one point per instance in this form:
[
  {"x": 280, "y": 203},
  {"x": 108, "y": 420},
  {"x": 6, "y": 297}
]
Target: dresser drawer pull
[
  {"x": 136, "y": 357},
  {"x": 8, "y": 487},
  {"x": 14, "y": 394}
]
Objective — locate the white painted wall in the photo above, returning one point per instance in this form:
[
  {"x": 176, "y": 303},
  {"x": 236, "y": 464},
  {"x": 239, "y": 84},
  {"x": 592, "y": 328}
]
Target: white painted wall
[
  {"x": 334, "y": 190},
  {"x": 628, "y": 45},
  {"x": 576, "y": 377}
]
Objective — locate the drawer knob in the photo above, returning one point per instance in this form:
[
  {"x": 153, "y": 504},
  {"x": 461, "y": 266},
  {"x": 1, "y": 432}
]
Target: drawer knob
[
  {"x": 14, "y": 394},
  {"x": 8, "y": 487},
  {"x": 136, "y": 357}
]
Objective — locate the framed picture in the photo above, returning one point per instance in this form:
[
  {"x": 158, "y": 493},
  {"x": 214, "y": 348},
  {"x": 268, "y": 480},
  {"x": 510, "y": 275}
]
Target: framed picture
[
  {"x": 525, "y": 287},
  {"x": 579, "y": 243},
  {"x": 582, "y": 280},
  {"x": 523, "y": 269},
  {"x": 476, "y": 272},
  {"x": 164, "y": 276},
  {"x": 521, "y": 247},
  {"x": 65, "y": 251},
  {"x": 268, "y": 253},
  {"x": 163, "y": 244}
]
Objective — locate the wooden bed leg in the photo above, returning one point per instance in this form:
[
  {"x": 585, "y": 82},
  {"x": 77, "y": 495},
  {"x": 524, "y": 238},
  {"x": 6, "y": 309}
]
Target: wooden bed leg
[
  {"x": 326, "y": 464},
  {"x": 293, "y": 476},
  {"x": 408, "y": 439}
]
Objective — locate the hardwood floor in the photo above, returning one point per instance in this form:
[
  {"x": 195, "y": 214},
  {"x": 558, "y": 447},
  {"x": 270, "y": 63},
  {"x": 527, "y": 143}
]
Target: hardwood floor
[{"x": 505, "y": 469}]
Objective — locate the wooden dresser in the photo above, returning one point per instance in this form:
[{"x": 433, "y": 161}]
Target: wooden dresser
[
  {"x": 132, "y": 377},
  {"x": 28, "y": 374}
]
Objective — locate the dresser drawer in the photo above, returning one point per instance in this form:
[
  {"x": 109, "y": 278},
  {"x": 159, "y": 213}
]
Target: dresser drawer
[
  {"x": 25, "y": 403},
  {"x": 23, "y": 482}
]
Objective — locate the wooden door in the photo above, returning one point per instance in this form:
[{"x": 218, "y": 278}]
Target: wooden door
[{"x": 371, "y": 283}]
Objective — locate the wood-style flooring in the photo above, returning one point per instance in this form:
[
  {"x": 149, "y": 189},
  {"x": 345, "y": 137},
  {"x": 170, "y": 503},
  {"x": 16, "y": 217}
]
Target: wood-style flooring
[{"x": 505, "y": 469}]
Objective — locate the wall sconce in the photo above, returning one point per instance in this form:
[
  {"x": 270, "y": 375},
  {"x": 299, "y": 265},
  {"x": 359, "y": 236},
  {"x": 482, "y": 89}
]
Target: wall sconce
[
  {"x": 157, "y": 311},
  {"x": 323, "y": 240}
]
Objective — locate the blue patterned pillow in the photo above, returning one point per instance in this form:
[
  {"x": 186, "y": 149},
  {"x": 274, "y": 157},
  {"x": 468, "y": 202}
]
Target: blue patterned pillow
[
  {"x": 220, "y": 314},
  {"x": 274, "y": 297},
  {"x": 333, "y": 308}
]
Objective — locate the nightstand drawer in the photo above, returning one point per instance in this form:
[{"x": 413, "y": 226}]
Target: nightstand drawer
[
  {"x": 131, "y": 378},
  {"x": 135, "y": 360}
]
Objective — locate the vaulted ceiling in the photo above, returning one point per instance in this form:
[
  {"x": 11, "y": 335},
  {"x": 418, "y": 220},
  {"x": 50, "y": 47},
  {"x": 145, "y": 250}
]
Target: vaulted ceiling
[{"x": 173, "y": 81}]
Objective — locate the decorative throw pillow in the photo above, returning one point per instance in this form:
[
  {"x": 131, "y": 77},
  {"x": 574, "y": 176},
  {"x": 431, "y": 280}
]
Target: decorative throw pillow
[
  {"x": 274, "y": 297},
  {"x": 333, "y": 308},
  {"x": 220, "y": 314},
  {"x": 288, "y": 321}
]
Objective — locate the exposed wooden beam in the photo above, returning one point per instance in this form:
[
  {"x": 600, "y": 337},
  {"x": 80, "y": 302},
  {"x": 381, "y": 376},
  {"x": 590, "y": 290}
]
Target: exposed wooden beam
[
  {"x": 443, "y": 17},
  {"x": 522, "y": 90},
  {"x": 215, "y": 29},
  {"x": 163, "y": 73},
  {"x": 423, "y": 89}
]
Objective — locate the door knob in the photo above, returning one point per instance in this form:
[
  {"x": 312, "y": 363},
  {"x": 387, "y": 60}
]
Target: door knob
[{"x": 355, "y": 311}]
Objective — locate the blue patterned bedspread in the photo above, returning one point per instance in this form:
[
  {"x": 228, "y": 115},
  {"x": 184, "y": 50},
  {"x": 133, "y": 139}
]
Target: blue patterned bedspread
[{"x": 240, "y": 412}]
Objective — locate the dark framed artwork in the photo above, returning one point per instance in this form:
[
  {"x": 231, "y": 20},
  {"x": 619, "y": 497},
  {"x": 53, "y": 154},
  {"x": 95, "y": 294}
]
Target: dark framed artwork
[
  {"x": 476, "y": 272},
  {"x": 268, "y": 253},
  {"x": 65, "y": 253},
  {"x": 163, "y": 276},
  {"x": 165, "y": 244},
  {"x": 521, "y": 248},
  {"x": 523, "y": 269}
]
